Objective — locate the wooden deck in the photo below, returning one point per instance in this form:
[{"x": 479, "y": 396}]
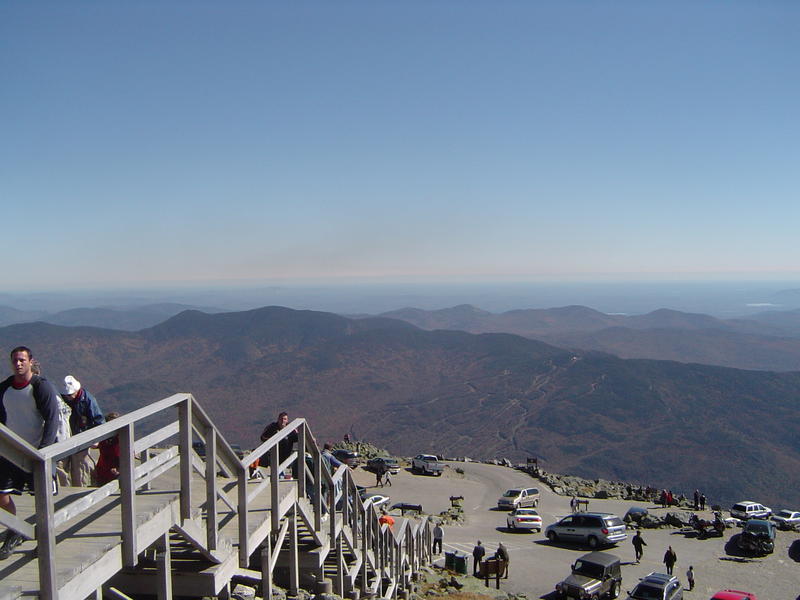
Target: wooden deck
[{"x": 155, "y": 531}]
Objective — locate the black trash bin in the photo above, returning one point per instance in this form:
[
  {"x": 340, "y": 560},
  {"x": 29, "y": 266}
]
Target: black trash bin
[
  {"x": 450, "y": 561},
  {"x": 461, "y": 563}
]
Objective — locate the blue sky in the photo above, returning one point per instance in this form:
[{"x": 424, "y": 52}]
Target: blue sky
[{"x": 157, "y": 142}]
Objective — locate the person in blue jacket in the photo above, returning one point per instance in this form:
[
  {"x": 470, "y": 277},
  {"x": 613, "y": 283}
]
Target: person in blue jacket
[{"x": 85, "y": 415}]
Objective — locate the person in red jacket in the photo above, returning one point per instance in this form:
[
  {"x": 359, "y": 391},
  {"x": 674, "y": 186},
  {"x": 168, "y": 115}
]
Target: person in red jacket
[{"x": 107, "y": 468}]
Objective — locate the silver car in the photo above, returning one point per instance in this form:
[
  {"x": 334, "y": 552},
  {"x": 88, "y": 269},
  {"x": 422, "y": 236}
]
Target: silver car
[
  {"x": 594, "y": 529},
  {"x": 787, "y": 519},
  {"x": 657, "y": 586}
]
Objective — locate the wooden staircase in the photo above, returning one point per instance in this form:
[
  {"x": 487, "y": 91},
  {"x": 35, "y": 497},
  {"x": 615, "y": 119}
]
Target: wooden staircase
[{"x": 176, "y": 523}]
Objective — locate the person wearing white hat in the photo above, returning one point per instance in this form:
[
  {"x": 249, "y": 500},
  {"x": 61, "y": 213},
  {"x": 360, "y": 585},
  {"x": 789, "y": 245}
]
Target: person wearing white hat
[{"x": 85, "y": 415}]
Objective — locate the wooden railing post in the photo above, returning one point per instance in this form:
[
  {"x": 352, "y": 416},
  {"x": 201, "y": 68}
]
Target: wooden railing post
[
  {"x": 211, "y": 488},
  {"x": 163, "y": 568},
  {"x": 185, "y": 446},
  {"x": 317, "y": 495},
  {"x": 366, "y": 530},
  {"x": 244, "y": 529},
  {"x": 127, "y": 495},
  {"x": 301, "y": 461},
  {"x": 45, "y": 532},
  {"x": 294, "y": 558},
  {"x": 274, "y": 480}
]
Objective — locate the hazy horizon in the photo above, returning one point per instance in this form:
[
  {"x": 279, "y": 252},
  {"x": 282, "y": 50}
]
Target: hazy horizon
[{"x": 726, "y": 299}]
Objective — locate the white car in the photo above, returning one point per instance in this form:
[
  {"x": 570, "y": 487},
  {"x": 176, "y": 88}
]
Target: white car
[
  {"x": 750, "y": 510},
  {"x": 524, "y": 518},
  {"x": 786, "y": 519},
  {"x": 376, "y": 500}
]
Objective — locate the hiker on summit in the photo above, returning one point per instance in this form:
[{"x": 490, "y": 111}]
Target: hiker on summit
[
  {"x": 478, "y": 552},
  {"x": 85, "y": 415},
  {"x": 638, "y": 544},
  {"x": 29, "y": 407},
  {"x": 286, "y": 444}
]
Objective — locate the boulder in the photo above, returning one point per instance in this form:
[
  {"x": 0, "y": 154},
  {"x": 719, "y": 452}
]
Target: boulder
[
  {"x": 651, "y": 521},
  {"x": 678, "y": 518}
]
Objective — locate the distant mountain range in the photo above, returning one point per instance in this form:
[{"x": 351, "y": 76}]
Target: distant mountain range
[
  {"x": 125, "y": 319},
  {"x": 767, "y": 341},
  {"x": 732, "y": 433}
]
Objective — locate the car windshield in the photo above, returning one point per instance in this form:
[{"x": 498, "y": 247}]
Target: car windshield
[
  {"x": 613, "y": 521},
  {"x": 588, "y": 569},
  {"x": 787, "y": 514},
  {"x": 526, "y": 512},
  {"x": 647, "y": 592},
  {"x": 757, "y": 527},
  {"x": 511, "y": 494}
]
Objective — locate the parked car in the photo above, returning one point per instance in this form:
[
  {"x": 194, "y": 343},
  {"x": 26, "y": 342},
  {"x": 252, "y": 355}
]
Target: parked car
[
  {"x": 427, "y": 464},
  {"x": 347, "y": 457},
  {"x": 382, "y": 464},
  {"x": 594, "y": 529},
  {"x": 787, "y": 519},
  {"x": 376, "y": 500},
  {"x": 518, "y": 498},
  {"x": 733, "y": 595},
  {"x": 524, "y": 518},
  {"x": 594, "y": 575},
  {"x": 657, "y": 586},
  {"x": 758, "y": 536},
  {"x": 750, "y": 510}
]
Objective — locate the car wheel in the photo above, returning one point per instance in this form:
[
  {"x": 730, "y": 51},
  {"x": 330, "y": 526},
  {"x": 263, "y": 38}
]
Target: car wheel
[
  {"x": 551, "y": 535},
  {"x": 614, "y": 592},
  {"x": 592, "y": 542}
]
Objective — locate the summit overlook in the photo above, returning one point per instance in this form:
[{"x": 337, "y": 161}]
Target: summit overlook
[{"x": 664, "y": 423}]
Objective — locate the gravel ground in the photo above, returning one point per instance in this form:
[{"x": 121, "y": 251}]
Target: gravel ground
[{"x": 537, "y": 565}]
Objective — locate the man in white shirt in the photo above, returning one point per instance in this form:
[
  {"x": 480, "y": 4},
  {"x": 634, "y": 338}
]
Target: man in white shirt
[{"x": 29, "y": 407}]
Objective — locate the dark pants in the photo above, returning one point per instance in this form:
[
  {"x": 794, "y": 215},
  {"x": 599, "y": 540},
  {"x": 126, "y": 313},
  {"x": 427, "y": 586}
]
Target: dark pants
[{"x": 437, "y": 541}]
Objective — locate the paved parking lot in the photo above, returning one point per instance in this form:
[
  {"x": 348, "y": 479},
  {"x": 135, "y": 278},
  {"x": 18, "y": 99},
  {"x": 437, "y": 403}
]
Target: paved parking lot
[{"x": 537, "y": 565}]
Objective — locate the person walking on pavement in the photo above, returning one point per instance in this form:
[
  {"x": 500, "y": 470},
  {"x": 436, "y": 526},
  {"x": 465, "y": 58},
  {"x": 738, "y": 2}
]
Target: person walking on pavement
[
  {"x": 670, "y": 558},
  {"x": 638, "y": 544},
  {"x": 690, "y": 577},
  {"x": 29, "y": 407},
  {"x": 85, "y": 415},
  {"x": 478, "y": 552},
  {"x": 379, "y": 475},
  {"x": 438, "y": 537}
]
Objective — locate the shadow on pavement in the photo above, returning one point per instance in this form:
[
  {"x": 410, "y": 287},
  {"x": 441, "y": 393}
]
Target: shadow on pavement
[
  {"x": 505, "y": 529},
  {"x": 794, "y": 551},
  {"x": 565, "y": 546}
]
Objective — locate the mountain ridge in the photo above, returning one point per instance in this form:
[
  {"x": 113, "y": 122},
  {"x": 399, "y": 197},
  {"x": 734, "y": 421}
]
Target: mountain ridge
[{"x": 584, "y": 412}]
